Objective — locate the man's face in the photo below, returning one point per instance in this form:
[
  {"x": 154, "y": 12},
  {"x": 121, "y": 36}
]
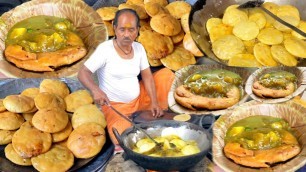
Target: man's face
[{"x": 126, "y": 31}]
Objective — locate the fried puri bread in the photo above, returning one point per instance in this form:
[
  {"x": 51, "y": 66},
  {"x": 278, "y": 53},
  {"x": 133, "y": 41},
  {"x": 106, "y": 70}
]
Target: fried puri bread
[
  {"x": 165, "y": 24},
  {"x": 29, "y": 141},
  {"x": 86, "y": 140},
  {"x": 190, "y": 45},
  {"x": 270, "y": 36},
  {"x": 18, "y": 103},
  {"x": 227, "y": 46},
  {"x": 185, "y": 23},
  {"x": 10, "y": 120},
  {"x": 160, "y": 2},
  {"x": 154, "y": 62},
  {"x": 178, "y": 38},
  {"x": 58, "y": 158},
  {"x": 178, "y": 59},
  {"x": 109, "y": 27},
  {"x": 2, "y": 108},
  {"x": 30, "y": 92},
  {"x": 154, "y": 9},
  {"x": 107, "y": 13},
  {"x": 87, "y": 113},
  {"x": 28, "y": 116},
  {"x": 77, "y": 99},
  {"x": 138, "y": 8},
  {"x": 282, "y": 56},
  {"x": 233, "y": 15},
  {"x": 6, "y": 136},
  {"x": 12, "y": 155},
  {"x": 47, "y": 100},
  {"x": 63, "y": 134},
  {"x": 47, "y": 61},
  {"x": 50, "y": 120},
  {"x": 246, "y": 30},
  {"x": 178, "y": 8},
  {"x": 155, "y": 51},
  {"x": 275, "y": 84},
  {"x": 54, "y": 86},
  {"x": 262, "y": 53}
]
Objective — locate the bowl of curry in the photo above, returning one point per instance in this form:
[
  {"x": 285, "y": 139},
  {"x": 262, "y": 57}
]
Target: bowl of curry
[
  {"x": 44, "y": 38},
  {"x": 257, "y": 136}
]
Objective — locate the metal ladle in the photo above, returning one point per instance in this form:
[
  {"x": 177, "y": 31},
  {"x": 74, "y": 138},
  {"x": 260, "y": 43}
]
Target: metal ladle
[
  {"x": 258, "y": 3},
  {"x": 159, "y": 145}
]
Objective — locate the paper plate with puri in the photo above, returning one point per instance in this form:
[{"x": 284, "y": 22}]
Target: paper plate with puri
[
  {"x": 261, "y": 137},
  {"x": 204, "y": 89},
  {"x": 276, "y": 84},
  {"x": 48, "y": 38},
  {"x": 249, "y": 37}
]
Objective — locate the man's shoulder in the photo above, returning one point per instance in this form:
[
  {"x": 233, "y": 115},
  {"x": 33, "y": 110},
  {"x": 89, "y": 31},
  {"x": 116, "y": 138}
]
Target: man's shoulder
[
  {"x": 105, "y": 44},
  {"x": 138, "y": 44}
]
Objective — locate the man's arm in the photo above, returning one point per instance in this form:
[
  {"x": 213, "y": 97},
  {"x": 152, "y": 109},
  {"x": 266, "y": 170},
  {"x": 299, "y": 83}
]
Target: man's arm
[
  {"x": 149, "y": 84},
  {"x": 85, "y": 77}
]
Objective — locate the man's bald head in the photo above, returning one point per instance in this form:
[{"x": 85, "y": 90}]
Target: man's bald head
[{"x": 124, "y": 11}]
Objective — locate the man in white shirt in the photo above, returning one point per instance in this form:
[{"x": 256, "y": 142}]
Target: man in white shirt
[{"x": 117, "y": 63}]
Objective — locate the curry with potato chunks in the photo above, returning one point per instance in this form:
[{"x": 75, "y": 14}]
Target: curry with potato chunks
[
  {"x": 260, "y": 141},
  {"x": 43, "y": 43}
]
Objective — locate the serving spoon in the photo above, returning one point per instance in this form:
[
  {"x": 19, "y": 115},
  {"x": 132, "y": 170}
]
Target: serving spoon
[
  {"x": 258, "y": 3},
  {"x": 159, "y": 145}
]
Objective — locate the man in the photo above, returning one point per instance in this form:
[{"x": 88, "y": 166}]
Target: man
[{"x": 118, "y": 62}]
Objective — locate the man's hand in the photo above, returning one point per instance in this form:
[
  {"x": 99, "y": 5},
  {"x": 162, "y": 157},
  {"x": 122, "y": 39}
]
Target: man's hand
[
  {"x": 156, "y": 111},
  {"x": 100, "y": 97}
]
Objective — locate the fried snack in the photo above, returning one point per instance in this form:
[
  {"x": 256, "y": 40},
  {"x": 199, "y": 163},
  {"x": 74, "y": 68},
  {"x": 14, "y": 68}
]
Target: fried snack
[
  {"x": 2, "y": 108},
  {"x": 28, "y": 116},
  {"x": 50, "y": 120},
  {"x": 219, "y": 31},
  {"x": 282, "y": 56},
  {"x": 6, "y": 136},
  {"x": 270, "y": 36},
  {"x": 178, "y": 8},
  {"x": 47, "y": 100},
  {"x": 63, "y": 134},
  {"x": 77, "y": 99},
  {"x": 144, "y": 25},
  {"x": 109, "y": 27},
  {"x": 227, "y": 46},
  {"x": 12, "y": 155},
  {"x": 259, "y": 18},
  {"x": 262, "y": 53},
  {"x": 160, "y": 2},
  {"x": 249, "y": 45},
  {"x": 301, "y": 26},
  {"x": 275, "y": 84},
  {"x": 182, "y": 117},
  {"x": 273, "y": 8},
  {"x": 246, "y": 30},
  {"x": 38, "y": 143},
  {"x": 244, "y": 60},
  {"x": 154, "y": 9},
  {"x": 185, "y": 22},
  {"x": 18, "y": 103},
  {"x": 190, "y": 45},
  {"x": 211, "y": 23},
  {"x": 153, "y": 50},
  {"x": 138, "y": 8},
  {"x": 288, "y": 13},
  {"x": 10, "y": 120},
  {"x": 87, "y": 113},
  {"x": 54, "y": 86},
  {"x": 192, "y": 101},
  {"x": 154, "y": 62},
  {"x": 165, "y": 24},
  {"x": 107, "y": 13},
  {"x": 233, "y": 15},
  {"x": 178, "y": 38},
  {"x": 30, "y": 92},
  {"x": 86, "y": 140},
  {"x": 58, "y": 158},
  {"x": 296, "y": 47},
  {"x": 179, "y": 58},
  {"x": 49, "y": 60}
]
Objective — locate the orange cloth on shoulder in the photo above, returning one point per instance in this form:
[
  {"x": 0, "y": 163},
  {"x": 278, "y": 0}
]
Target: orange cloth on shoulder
[{"x": 163, "y": 81}]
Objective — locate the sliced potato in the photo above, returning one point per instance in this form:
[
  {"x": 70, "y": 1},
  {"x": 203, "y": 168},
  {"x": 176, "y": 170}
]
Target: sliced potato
[
  {"x": 296, "y": 47},
  {"x": 281, "y": 55},
  {"x": 263, "y": 55},
  {"x": 246, "y": 30},
  {"x": 244, "y": 60},
  {"x": 227, "y": 46},
  {"x": 270, "y": 36}
]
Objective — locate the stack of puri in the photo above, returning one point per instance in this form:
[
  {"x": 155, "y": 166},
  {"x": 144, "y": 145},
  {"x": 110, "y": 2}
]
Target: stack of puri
[
  {"x": 49, "y": 126},
  {"x": 164, "y": 31}
]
